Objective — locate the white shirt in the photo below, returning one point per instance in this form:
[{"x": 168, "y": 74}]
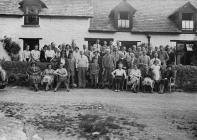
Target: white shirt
[
  {"x": 135, "y": 73},
  {"x": 35, "y": 54},
  {"x": 156, "y": 72},
  {"x": 153, "y": 60},
  {"x": 119, "y": 72},
  {"x": 76, "y": 55},
  {"x": 26, "y": 54},
  {"x": 82, "y": 61},
  {"x": 50, "y": 53}
]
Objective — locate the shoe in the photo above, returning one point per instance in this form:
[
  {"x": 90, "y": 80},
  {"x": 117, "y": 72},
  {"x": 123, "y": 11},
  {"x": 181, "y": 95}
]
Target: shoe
[
  {"x": 68, "y": 90},
  {"x": 55, "y": 90},
  {"x": 116, "y": 90}
]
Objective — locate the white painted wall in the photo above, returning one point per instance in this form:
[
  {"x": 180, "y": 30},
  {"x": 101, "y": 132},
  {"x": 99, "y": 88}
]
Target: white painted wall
[{"x": 58, "y": 30}]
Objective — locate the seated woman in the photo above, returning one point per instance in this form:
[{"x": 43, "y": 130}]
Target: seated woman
[
  {"x": 62, "y": 77},
  {"x": 34, "y": 74},
  {"x": 48, "y": 77},
  {"x": 156, "y": 74},
  {"x": 147, "y": 83},
  {"x": 134, "y": 78},
  {"x": 119, "y": 75}
]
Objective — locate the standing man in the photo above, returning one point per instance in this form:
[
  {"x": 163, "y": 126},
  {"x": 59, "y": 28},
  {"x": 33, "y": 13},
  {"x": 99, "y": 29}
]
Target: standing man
[
  {"x": 163, "y": 55},
  {"x": 123, "y": 53},
  {"x": 86, "y": 52},
  {"x": 144, "y": 60},
  {"x": 97, "y": 45},
  {"x": 82, "y": 67},
  {"x": 108, "y": 64},
  {"x": 116, "y": 55}
]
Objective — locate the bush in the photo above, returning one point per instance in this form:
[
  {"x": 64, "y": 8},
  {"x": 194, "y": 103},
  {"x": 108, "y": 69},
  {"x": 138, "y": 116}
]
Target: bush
[{"x": 186, "y": 77}]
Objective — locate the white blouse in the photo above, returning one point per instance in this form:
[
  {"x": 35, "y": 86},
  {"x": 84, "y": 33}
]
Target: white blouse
[
  {"x": 35, "y": 54},
  {"x": 26, "y": 54},
  {"x": 50, "y": 53}
]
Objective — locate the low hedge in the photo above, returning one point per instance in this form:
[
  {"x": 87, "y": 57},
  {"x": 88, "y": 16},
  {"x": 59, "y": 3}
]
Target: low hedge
[{"x": 186, "y": 77}]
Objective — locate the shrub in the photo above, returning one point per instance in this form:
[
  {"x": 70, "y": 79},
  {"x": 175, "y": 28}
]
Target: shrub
[{"x": 186, "y": 77}]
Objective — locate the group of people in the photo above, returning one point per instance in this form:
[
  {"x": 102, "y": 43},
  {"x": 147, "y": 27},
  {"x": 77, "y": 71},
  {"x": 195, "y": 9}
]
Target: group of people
[{"x": 98, "y": 66}]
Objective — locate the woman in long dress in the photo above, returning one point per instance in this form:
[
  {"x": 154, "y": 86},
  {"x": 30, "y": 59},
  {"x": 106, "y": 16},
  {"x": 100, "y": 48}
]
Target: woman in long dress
[
  {"x": 34, "y": 73},
  {"x": 48, "y": 77}
]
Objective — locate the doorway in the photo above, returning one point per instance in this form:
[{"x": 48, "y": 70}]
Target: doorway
[{"x": 32, "y": 42}]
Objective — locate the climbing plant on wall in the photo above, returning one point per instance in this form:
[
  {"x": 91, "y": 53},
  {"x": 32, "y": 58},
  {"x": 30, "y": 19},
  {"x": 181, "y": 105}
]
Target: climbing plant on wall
[{"x": 10, "y": 46}]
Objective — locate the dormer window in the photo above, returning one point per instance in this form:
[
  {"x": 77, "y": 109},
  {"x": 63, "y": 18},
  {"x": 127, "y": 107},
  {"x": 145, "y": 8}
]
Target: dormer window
[
  {"x": 185, "y": 17},
  {"x": 31, "y": 9},
  {"x": 31, "y": 16},
  {"x": 123, "y": 20},
  {"x": 122, "y": 16},
  {"x": 187, "y": 22}
]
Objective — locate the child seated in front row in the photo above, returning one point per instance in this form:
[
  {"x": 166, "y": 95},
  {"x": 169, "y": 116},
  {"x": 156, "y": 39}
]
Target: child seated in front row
[{"x": 119, "y": 75}]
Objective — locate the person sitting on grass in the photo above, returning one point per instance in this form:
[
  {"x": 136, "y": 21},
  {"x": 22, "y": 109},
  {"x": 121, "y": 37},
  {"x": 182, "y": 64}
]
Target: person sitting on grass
[
  {"x": 134, "y": 78},
  {"x": 48, "y": 77},
  {"x": 62, "y": 77},
  {"x": 94, "y": 72},
  {"x": 34, "y": 74},
  {"x": 119, "y": 75}
]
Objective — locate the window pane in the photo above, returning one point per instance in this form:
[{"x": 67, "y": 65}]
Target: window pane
[
  {"x": 127, "y": 23},
  {"x": 123, "y": 24},
  {"x": 192, "y": 24}
]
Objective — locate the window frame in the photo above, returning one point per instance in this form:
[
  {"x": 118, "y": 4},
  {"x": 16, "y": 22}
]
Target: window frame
[
  {"x": 123, "y": 23},
  {"x": 188, "y": 25},
  {"x": 29, "y": 14}
]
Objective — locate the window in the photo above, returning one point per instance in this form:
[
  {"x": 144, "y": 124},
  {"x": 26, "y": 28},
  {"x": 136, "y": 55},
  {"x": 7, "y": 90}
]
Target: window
[
  {"x": 31, "y": 16},
  {"x": 123, "y": 20},
  {"x": 187, "y": 22}
]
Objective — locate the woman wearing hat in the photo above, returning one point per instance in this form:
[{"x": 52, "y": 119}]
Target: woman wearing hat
[{"x": 34, "y": 74}]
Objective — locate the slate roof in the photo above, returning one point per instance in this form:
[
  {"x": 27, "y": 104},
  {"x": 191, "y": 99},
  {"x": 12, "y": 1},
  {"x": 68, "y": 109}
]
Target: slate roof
[
  {"x": 151, "y": 15},
  {"x": 75, "y": 8}
]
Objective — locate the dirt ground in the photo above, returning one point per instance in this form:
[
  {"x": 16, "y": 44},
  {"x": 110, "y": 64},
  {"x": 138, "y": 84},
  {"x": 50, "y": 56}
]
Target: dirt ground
[{"x": 99, "y": 114}]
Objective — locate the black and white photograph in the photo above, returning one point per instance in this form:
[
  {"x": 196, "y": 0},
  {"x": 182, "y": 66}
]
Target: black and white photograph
[{"x": 98, "y": 69}]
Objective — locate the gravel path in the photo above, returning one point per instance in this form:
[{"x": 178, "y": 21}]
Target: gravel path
[{"x": 167, "y": 116}]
